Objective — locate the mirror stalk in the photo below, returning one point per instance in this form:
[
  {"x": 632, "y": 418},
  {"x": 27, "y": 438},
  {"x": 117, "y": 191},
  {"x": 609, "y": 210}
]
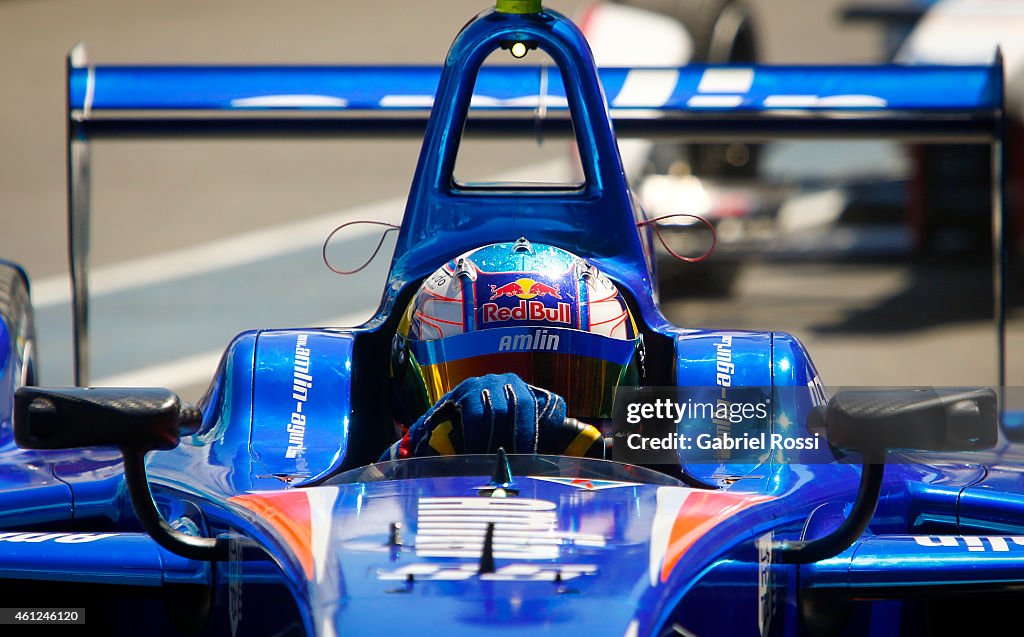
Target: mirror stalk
[
  {"x": 188, "y": 546},
  {"x": 805, "y": 552}
]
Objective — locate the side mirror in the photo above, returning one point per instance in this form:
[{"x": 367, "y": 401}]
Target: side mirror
[
  {"x": 75, "y": 417},
  {"x": 874, "y": 422},
  {"x": 135, "y": 420}
]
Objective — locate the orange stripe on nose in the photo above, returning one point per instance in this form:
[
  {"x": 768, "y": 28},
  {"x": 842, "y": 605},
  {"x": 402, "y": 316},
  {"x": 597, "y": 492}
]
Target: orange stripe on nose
[
  {"x": 287, "y": 513},
  {"x": 700, "y": 513}
]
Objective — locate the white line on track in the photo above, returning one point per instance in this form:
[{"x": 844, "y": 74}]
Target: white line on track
[{"x": 257, "y": 245}]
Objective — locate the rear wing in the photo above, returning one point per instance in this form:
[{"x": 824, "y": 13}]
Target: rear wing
[
  {"x": 957, "y": 104},
  {"x": 701, "y": 103}
]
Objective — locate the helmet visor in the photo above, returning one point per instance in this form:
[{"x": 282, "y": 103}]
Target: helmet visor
[{"x": 583, "y": 368}]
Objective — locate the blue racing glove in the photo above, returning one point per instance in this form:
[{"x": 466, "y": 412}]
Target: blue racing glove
[{"x": 484, "y": 413}]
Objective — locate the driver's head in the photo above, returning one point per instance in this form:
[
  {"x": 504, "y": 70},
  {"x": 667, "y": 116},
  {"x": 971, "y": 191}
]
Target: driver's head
[{"x": 530, "y": 309}]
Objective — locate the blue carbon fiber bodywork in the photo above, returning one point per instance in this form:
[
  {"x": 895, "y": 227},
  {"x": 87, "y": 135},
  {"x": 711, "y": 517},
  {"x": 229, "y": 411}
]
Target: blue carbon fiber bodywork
[
  {"x": 301, "y": 402},
  {"x": 886, "y": 562},
  {"x": 84, "y": 558},
  {"x": 595, "y": 548},
  {"x": 443, "y": 220},
  {"x": 606, "y": 541}
]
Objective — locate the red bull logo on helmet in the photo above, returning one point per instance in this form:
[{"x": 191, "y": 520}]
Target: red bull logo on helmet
[
  {"x": 525, "y": 289},
  {"x": 533, "y": 311},
  {"x": 538, "y": 302}
]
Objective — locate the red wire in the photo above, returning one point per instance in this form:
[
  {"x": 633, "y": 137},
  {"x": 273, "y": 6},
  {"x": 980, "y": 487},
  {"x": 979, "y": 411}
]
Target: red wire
[
  {"x": 327, "y": 262},
  {"x": 657, "y": 230},
  {"x": 391, "y": 227}
]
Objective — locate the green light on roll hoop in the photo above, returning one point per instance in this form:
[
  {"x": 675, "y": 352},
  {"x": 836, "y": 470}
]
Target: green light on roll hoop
[{"x": 518, "y": 6}]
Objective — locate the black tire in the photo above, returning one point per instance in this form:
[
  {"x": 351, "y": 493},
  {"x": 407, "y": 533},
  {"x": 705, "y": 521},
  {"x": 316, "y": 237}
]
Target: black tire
[
  {"x": 16, "y": 313},
  {"x": 723, "y": 33}
]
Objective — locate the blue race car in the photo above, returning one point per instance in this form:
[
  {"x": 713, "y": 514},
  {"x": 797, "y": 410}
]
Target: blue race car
[{"x": 263, "y": 509}]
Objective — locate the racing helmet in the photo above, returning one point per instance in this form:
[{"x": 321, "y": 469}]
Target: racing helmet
[{"x": 534, "y": 310}]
